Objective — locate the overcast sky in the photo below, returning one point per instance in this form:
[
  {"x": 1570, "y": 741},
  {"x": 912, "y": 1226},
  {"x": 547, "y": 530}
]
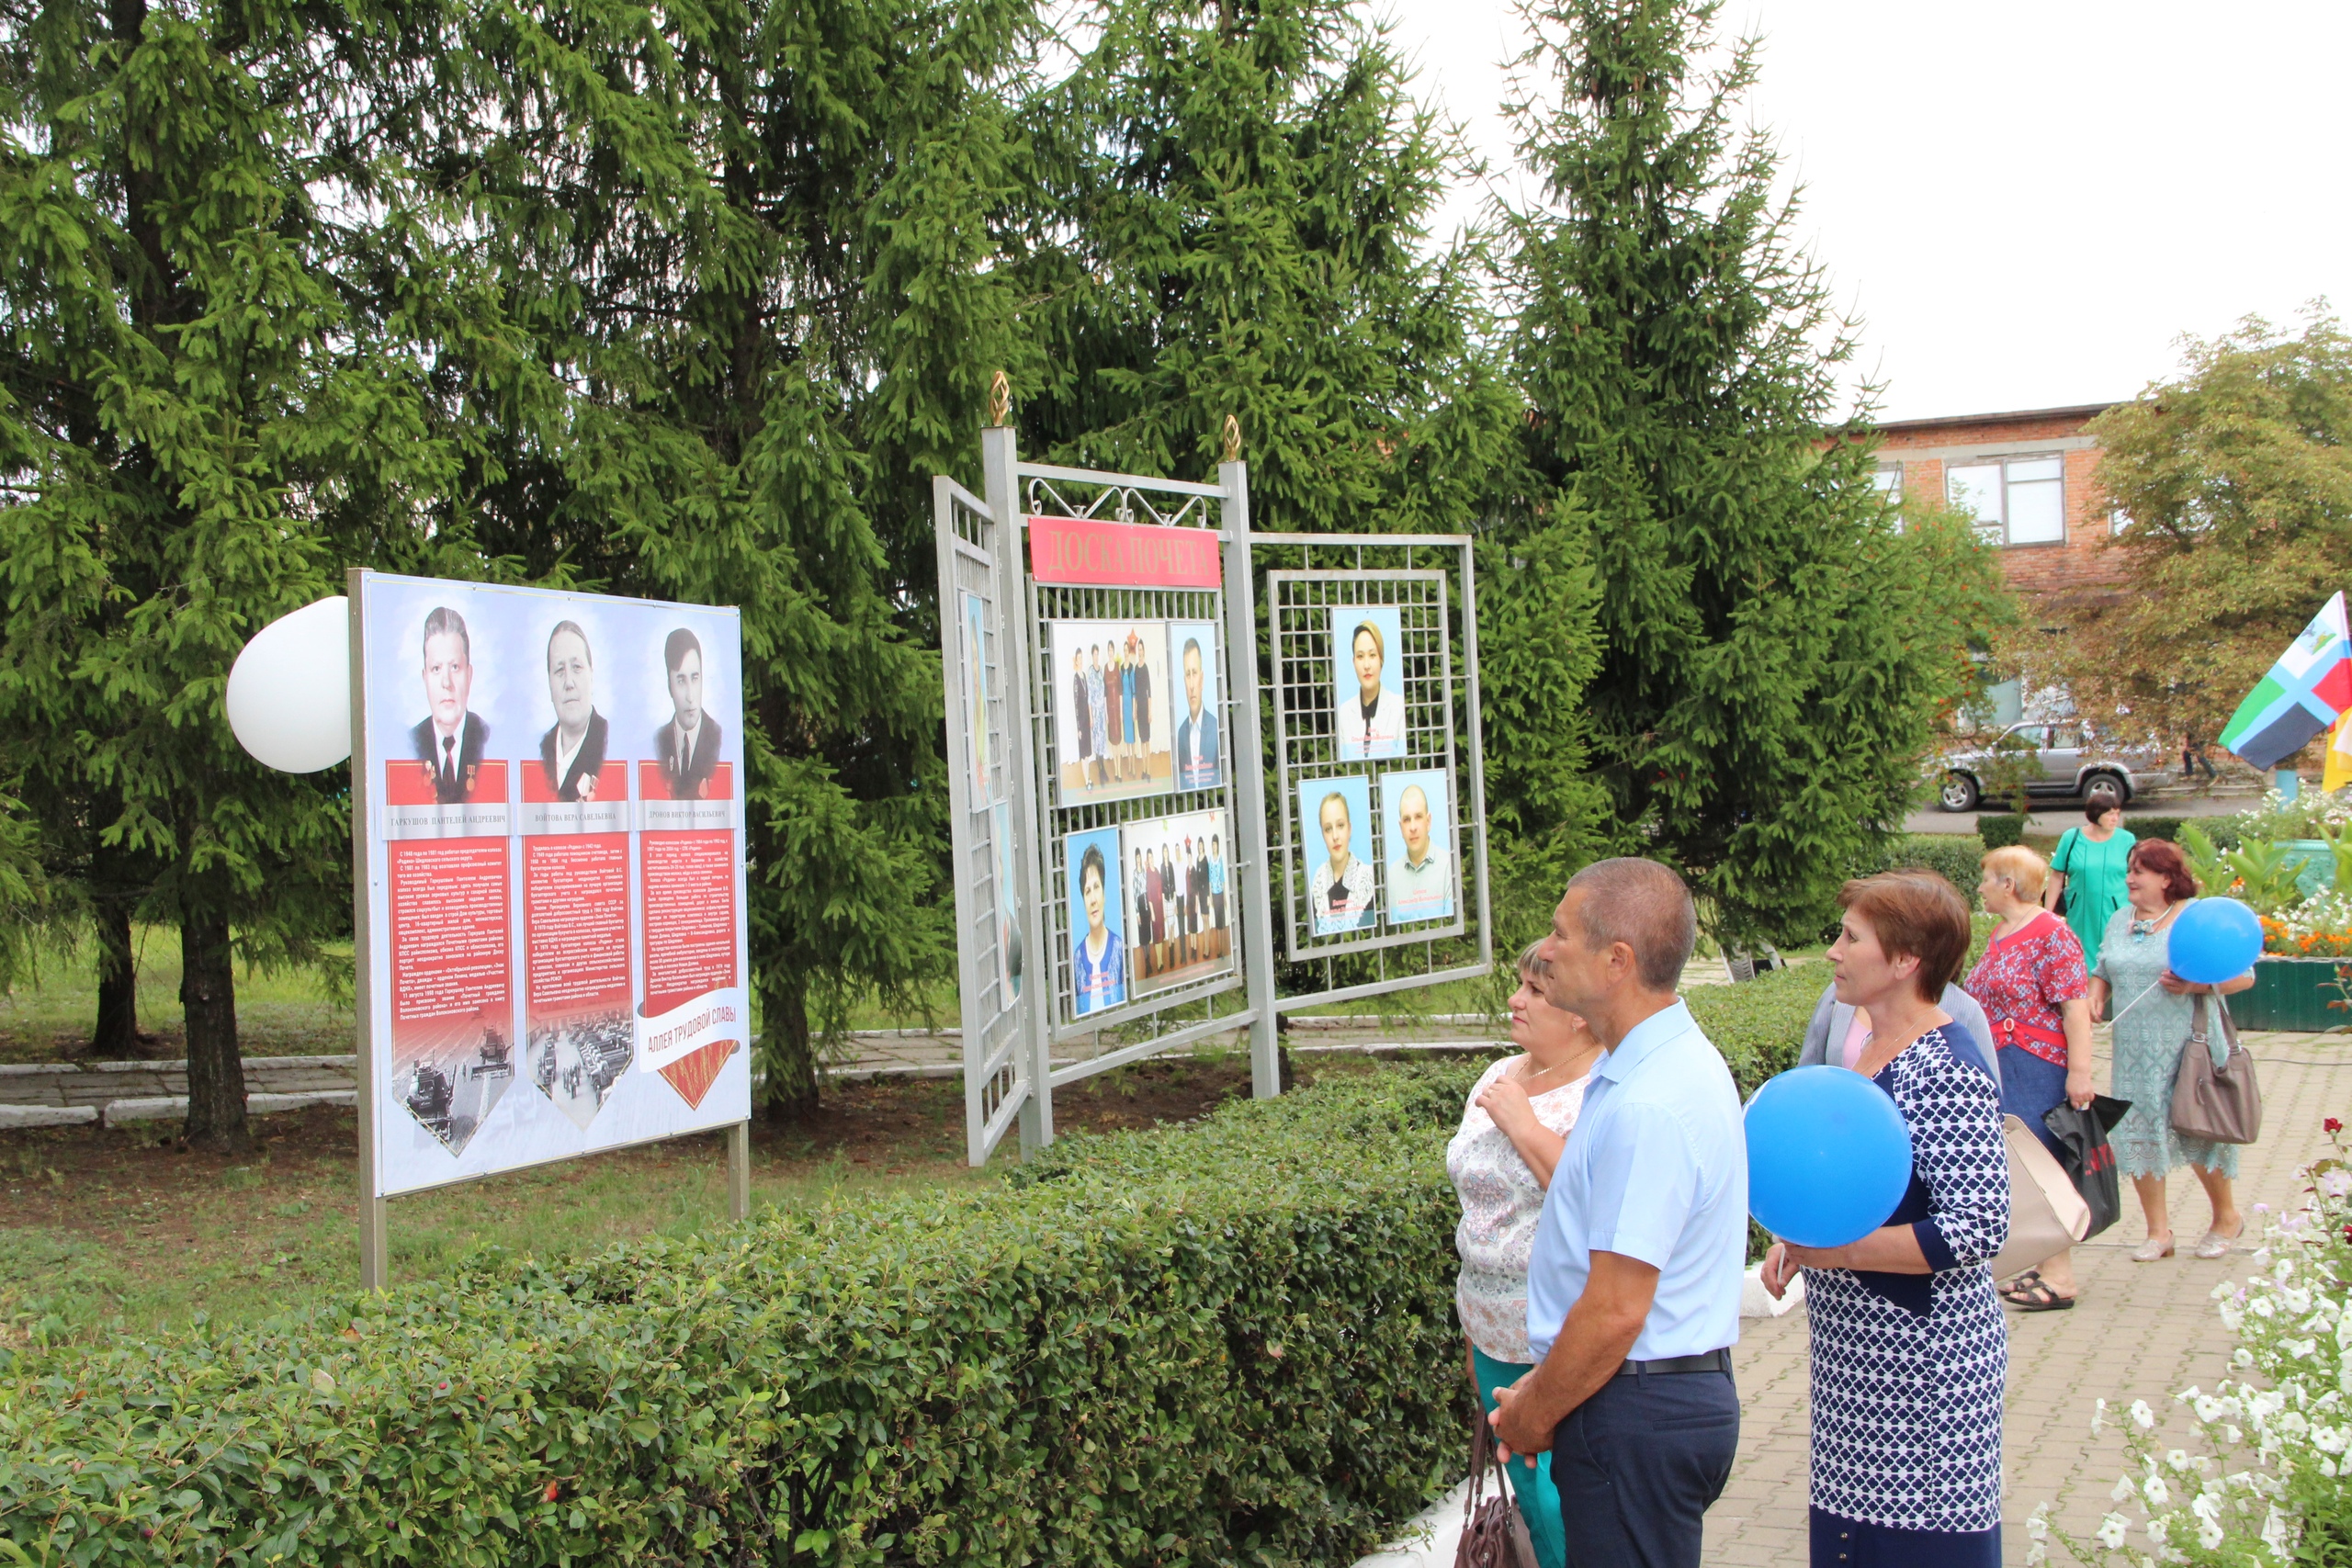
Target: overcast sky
[{"x": 2026, "y": 203}]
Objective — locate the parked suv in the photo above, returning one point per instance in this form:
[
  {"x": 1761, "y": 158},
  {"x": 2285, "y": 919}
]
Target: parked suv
[{"x": 2060, "y": 759}]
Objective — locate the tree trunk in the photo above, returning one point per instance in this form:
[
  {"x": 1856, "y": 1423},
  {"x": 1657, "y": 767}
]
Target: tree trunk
[
  {"x": 791, "y": 1053},
  {"x": 116, "y": 1038},
  {"x": 216, "y": 1073}
]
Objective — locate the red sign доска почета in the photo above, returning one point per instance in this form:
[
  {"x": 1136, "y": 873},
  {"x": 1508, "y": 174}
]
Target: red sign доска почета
[{"x": 1093, "y": 553}]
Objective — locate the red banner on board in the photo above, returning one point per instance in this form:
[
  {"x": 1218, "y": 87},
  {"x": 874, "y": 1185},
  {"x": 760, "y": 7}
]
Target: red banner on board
[{"x": 1088, "y": 551}]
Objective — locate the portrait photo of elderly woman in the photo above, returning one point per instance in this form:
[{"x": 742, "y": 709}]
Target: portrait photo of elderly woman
[
  {"x": 1368, "y": 717},
  {"x": 1340, "y": 886},
  {"x": 572, "y": 753}
]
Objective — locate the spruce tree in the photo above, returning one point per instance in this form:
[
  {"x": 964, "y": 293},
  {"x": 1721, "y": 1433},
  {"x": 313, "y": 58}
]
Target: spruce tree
[
  {"x": 203, "y": 418},
  {"x": 1775, "y": 652},
  {"x": 749, "y": 243}
]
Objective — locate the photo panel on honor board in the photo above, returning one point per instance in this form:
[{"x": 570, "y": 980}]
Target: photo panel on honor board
[
  {"x": 1180, "y": 914},
  {"x": 1111, "y": 701},
  {"x": 1199, "y": 736},
  {"x": 1335, "y": 820},
  {"x": 1417, "y": 834},
  {"x": 1097, "y": 922},
  {"x": 1367, "y": 673},
  {"x": 975, "y": 693}
]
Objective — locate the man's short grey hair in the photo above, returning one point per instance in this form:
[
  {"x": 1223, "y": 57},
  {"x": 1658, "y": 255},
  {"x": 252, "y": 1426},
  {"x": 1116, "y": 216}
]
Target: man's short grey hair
[{"x": 1646, "y": 907}]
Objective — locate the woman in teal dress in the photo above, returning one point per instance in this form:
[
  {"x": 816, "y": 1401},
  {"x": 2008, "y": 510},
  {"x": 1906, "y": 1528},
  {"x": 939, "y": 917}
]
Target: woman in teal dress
[
  {"x": 2155, "y": 1010},
  {"x": 2087, "y": 870}
]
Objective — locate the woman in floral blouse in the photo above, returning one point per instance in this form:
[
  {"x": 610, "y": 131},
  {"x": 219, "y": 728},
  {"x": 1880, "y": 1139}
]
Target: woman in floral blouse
[
  {"x": 2035, "y": 991},
  {"x": 1501, "y": 1162}
]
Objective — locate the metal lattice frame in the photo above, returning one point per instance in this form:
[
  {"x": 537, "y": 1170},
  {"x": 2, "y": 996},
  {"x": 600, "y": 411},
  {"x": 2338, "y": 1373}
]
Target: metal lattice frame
[
  {"x": 1422, "y": 578},
  {"x": 986, "y": 820},
  {"x": 1020, "y": 1044}
]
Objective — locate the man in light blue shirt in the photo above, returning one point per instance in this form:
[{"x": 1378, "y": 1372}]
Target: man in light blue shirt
[{"x": 1632, "y": 1292}]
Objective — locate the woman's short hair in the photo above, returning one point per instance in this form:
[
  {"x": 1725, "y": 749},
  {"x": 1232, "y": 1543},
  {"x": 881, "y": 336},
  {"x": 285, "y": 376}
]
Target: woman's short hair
[
  {"x": 2099, "y": 803},
  {"x": 1531, "y": 960},
  {"x": 1091, "y": 861},
  {"x": 2164, "y": 857},
  {"x": 1915, "y": 914},
  {"x": 1379, "y": 644},
  {"x": 2026, "y": 873}
]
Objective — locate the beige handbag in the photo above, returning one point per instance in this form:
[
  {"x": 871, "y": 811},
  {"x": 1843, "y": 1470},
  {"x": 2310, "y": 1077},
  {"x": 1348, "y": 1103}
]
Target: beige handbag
[
  {"x": 2219, "y": 1105},
  {"x": 2046, "y": 1214}
]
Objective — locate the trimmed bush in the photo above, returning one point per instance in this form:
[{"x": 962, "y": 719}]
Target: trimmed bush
[
  {"x": 1956, "y": 857},
  {"x": 1998, "y": 830},
  {"x": 1227, "y": 1343}
]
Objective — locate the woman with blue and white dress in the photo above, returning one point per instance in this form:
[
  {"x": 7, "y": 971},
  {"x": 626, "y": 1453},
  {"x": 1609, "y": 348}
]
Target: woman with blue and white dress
[{"x": 1909, "y": 1351}]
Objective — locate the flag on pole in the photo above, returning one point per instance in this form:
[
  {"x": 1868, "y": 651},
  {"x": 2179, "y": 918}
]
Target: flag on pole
[
  {"x": 2308, "y": 690},
  {"x": 2339, "y": 758}
]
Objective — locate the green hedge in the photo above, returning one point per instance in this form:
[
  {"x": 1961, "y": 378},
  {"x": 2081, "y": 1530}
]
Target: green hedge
[
  {"x": 1233, "y": 1343},
  {"x": 1227, "y": 1343},
  {"x": 1999, "y": 830}
]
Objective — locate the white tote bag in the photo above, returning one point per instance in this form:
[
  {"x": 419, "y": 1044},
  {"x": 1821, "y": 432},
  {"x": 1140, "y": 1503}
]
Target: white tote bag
[{"x": 2046, "y": 1214}]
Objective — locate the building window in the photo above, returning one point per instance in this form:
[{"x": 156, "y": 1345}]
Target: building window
[
  {"x": 1889, "y": 480},
  {"x": 2015, "y": 500}
]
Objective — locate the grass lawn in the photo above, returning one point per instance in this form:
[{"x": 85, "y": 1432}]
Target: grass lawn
[
  {"x": 121, "y": 1231},
  {"x": 48, "y": 1020}
]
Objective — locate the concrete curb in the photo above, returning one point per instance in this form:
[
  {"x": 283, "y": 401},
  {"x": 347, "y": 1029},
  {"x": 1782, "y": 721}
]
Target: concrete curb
[{"x": 12, "y": 1116}]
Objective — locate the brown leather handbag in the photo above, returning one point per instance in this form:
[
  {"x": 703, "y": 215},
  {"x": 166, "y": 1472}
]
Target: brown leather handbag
[
  {"x": 2218, "y": 1105},
  {"x": 1493, "y": 1534}
]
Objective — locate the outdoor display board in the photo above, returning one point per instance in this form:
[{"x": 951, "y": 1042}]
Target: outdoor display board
[
  {"x": 1132, "y": 859},
  {"x": 550, "y": 795}
]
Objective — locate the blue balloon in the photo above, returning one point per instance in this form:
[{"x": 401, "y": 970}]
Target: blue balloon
[
  {"x": 2214, "y": 939},
  {"x": 1828, "y": 1157}
]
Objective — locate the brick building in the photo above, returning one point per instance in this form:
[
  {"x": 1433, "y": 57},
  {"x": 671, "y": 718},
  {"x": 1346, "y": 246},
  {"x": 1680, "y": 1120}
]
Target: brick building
[{"x": 2030, "y": 479}]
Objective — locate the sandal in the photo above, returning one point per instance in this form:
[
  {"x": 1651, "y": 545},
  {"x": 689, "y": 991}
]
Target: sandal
[
  {"x": 2020, "y": 1287},
  {"x": 2152, "y": 1249},
  {"x": 2038, "y": 1297}
]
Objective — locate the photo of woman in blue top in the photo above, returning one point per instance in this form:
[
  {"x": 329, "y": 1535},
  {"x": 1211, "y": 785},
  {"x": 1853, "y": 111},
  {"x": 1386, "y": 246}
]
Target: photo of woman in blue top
[{"x": 1097, "y": 958}]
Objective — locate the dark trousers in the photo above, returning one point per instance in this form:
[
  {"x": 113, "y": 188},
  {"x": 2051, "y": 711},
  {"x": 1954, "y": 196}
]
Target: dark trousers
[{"x": 1639, "y": 1463}]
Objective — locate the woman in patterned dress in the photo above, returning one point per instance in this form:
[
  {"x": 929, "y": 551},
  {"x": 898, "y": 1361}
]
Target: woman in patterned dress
[
  {"x": 1909, "y": 1350},
  {"x": 1100, "y": 714},
  {"x": 2036, "y": 996},
  {"x": 1514, "y": 1129},
  {"x": 2155, "y": 1011}
]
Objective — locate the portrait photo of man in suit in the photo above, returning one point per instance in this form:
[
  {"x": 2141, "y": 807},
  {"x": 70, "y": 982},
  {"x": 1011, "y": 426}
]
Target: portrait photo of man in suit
[
  {"x": 572, "y": 751},
  {"x": 686, "y": 747},
  {"x": 450, "y": 739}
]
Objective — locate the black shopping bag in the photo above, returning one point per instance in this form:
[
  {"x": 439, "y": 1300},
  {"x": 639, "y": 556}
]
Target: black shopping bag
[{"x": 2090, "y": 1159}]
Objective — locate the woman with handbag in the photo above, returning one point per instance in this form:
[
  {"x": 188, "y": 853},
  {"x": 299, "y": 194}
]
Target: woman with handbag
[
  {"x": 1501, "y": 1162},
  {"x": 1909, "y": 1351},
  {"x": 2155, "y": 1014},
  {"x": 2086, "y": 871},
  {"x": 2036, "y": 994}
]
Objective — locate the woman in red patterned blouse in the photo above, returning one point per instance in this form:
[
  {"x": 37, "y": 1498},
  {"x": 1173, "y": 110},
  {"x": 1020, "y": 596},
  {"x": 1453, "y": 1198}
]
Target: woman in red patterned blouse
[{"x": 2036, "y": 994}]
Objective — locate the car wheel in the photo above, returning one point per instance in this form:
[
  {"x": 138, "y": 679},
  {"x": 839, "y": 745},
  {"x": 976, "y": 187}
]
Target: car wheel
[
  {"x": 2110, "y": 783},
  {"x": 1959, "y": 793}
]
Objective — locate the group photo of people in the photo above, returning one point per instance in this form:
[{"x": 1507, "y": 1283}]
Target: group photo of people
[
  {"x": 1110, "y": 700},
  {"x": 1178, "y": 886}
]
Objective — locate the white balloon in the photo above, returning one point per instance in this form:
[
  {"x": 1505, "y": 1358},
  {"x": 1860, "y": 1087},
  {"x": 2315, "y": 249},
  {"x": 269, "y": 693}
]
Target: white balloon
[{"x": 289, "y": 692}]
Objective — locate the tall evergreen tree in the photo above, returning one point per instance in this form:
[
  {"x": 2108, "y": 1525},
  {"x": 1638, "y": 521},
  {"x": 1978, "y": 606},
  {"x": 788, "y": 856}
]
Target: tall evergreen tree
[
  {"x": 202, "y": 417},
  {"x": 751, "y": 240},
  {"x": 1775, "y": 652}
]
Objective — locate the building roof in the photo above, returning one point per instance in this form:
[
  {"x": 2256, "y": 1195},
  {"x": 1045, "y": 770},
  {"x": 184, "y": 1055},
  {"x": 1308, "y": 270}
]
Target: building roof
[{"x": 2071, "y": 411}]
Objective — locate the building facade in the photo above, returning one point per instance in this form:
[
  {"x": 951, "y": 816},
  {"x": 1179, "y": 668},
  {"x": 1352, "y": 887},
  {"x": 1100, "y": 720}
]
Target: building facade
[{"x": 2029, "y": 479}]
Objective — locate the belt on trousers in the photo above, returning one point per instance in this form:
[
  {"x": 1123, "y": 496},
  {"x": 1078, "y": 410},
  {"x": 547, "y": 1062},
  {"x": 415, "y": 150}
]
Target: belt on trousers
[{"x": 1707, "y": 1362}]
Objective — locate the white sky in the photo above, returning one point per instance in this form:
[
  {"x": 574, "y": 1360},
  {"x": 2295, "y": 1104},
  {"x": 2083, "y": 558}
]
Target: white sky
[{"x": 2025, "y": 201}]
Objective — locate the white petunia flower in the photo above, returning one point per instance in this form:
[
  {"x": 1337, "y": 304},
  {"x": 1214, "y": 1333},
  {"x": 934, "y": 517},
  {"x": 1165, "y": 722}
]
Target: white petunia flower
[
  {"x": 2141, "y": 1416},
  {"x": 2111, "y": 1528},
  {"x": 2123, "y": 1488},
  {"x": 2274, "y": 1533},
  {"x": 2179, "y": 1459},
  {"x": 2155, "y": 1490}
]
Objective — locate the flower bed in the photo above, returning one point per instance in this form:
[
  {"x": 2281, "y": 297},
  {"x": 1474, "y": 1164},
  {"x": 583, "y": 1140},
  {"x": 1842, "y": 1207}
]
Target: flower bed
[{"x": 2274, "y": 1484}]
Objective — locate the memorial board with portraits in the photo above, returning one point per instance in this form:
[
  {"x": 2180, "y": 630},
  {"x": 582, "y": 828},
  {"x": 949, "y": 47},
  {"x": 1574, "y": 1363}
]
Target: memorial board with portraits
[
  {"x": 1111, "y": 704},
  {"x": 554, "y": 903}
]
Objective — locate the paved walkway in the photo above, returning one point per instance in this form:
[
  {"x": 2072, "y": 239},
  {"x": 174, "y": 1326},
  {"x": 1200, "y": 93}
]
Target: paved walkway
[{"x": 2141, "y": 1331}]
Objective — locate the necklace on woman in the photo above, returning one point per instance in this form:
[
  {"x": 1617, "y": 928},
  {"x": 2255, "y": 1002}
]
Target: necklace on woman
[
  {"x": 2141, "y": 927},
  {"x": 1547, "y": 1072}
]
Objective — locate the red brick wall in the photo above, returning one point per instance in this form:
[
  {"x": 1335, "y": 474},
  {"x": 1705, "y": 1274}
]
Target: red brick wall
[{"x": 2032, "y": 569}]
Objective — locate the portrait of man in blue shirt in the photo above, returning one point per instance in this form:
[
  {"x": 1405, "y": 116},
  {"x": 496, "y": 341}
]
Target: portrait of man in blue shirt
[{"x": 1633, "y": 1291}]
